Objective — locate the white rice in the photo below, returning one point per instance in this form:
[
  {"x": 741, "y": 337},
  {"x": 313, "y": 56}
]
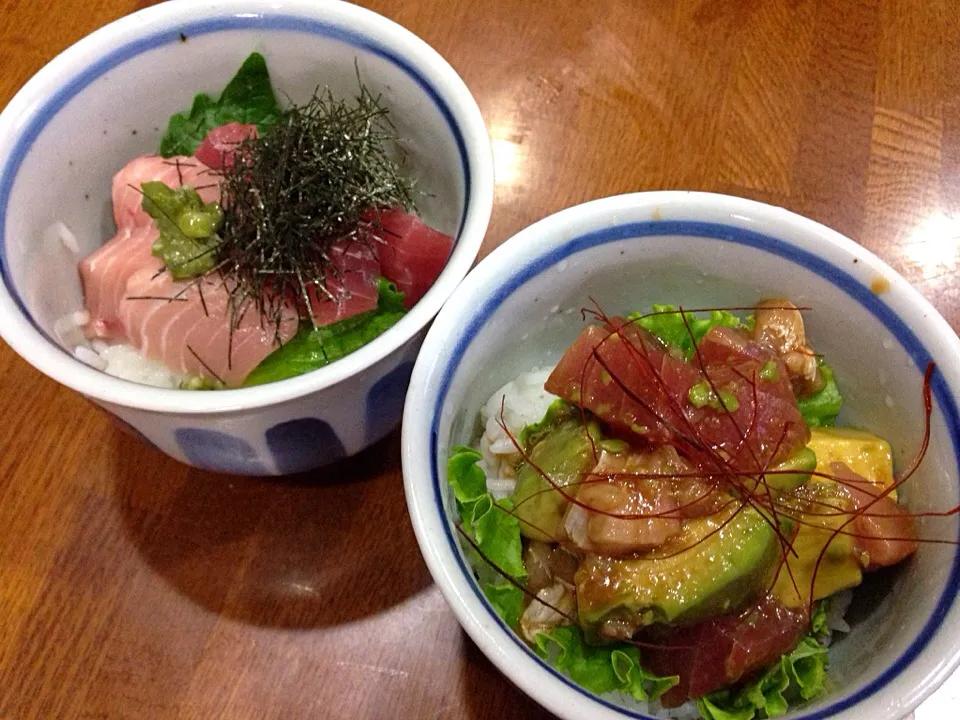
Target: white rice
[
  {"x": 125, "y": 361},
  {"x": 517, "y": 404},
  {"x": 120, "y": 360}
]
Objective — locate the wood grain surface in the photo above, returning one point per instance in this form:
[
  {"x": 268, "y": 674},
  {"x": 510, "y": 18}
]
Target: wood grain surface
[{"x": 134, "y": 587}]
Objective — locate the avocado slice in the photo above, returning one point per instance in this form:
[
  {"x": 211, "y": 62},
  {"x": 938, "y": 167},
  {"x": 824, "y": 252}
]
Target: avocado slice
[
  {"x": 840, "y": 567},
  {"x": 866, "y": 454},
  {"x": 559, "y": 445},
  {"x": 803, "y": 462},
  {"x": 717, "y": 564}
]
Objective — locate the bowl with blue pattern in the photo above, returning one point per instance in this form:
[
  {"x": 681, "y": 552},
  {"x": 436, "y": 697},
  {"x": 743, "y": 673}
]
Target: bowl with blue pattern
[
  {"x": 519, "y": 309},
  {"x": 106, "y": 100}
]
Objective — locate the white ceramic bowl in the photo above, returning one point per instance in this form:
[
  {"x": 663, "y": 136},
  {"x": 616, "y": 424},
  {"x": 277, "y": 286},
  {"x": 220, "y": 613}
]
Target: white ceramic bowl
[
  {"x": 519, "y": 308},
  {"x": 107, "y": 99}
]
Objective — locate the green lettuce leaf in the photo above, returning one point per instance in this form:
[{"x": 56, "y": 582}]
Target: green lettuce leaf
[
  {"x": 799, "y": 676},
  {"x": 818, "y": 623},
  {"x": 506, "y": 600},
  {"x": 605, "y": 669},
  {"x": 495, "y": 531},
  {"x": 709, "y": 710},
  {"x": 312, "y": 348},
  {"x": 670, "y": 327},
  {"x": 808, "y": 668},
  {"x": 820, "y": 409},
  {"x": 247, "y": 98}
]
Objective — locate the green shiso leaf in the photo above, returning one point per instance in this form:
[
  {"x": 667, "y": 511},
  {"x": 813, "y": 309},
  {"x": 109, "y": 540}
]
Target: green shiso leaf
[{"x": 248, "y": 98}]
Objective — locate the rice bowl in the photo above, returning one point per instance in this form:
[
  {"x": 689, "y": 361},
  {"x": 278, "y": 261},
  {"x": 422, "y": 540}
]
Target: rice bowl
[{"x": 53, "y": 178}]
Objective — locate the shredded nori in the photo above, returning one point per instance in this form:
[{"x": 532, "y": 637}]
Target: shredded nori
[{"x": 319, "y": 176}]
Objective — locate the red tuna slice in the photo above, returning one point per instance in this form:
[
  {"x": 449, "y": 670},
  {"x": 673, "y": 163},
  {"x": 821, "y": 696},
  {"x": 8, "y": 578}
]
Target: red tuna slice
[
  {"x": 173, "y": 171},
  {"x": 723, "y": 651},
  {"x": 193, "y": 335},
  {"x": 105, "y": 272},
  {"x": 631, "y": 392},
  {"x": 220, "y": 145},
  {"x": 642, "y": 389},
  {"x": 412, "y": 254},
  {"x": 351, "y": 281},
  {"x": 884, "y": 533},
  {"x": 723, "y": 345},
  {"x": 765, "y": 427}
]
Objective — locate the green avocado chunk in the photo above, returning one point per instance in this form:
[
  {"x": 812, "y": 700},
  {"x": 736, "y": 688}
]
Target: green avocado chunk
[
  {"x": 560, "y": 446},
  {"x": 714, "y": 566},
  {"x": 802, "y": 463}
]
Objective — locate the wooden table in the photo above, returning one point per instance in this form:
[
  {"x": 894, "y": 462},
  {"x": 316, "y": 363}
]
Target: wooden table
[{"x": 134, "y": 587}]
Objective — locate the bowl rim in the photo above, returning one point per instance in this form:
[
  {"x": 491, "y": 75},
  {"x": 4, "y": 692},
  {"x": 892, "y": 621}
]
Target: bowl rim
[
  {"x": 81, "y": 63},
  {"x": 492, "y": 281}
]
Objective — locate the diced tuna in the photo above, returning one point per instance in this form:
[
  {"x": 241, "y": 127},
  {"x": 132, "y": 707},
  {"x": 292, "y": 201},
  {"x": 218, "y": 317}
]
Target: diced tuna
[
  {"x": 626, "y": 377},
  {"x": 884, "y": 533},
  {"x": 722, "y": 651},
  {"x": 352, "y": 283},
  {"x": 220, "y": 145},
  {"x": 615, "y": 375}
]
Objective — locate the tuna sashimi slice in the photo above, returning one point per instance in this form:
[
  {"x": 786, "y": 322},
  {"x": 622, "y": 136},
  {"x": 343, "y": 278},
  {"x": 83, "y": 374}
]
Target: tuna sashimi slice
[
  {"x": 193, "y": 335},
  {"x": 104, "y": 275},
  {"x": 351, "y": 281},
  {"x": 106, "y": 272},
  {"x": 412, "y": 254}
]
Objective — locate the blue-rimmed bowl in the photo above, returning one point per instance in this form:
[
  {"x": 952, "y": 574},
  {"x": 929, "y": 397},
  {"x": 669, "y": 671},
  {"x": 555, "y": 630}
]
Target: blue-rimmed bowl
[
  {"x": 107, "y": 99},
  {"x": 519, "y": 308}
]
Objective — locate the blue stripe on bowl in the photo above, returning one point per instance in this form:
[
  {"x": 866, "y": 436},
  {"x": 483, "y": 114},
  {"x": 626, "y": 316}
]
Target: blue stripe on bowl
[
  {"x": 385, "y": 401},
  {"x": 218, "y": 451},
  {"x": 291, "y": 23},
  {"x": 863, "y": 295},
  {"x": 303, "y": 444}
]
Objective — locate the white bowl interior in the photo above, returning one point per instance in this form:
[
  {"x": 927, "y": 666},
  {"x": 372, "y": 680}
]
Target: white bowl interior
[{"x": 520, "y": 309}]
